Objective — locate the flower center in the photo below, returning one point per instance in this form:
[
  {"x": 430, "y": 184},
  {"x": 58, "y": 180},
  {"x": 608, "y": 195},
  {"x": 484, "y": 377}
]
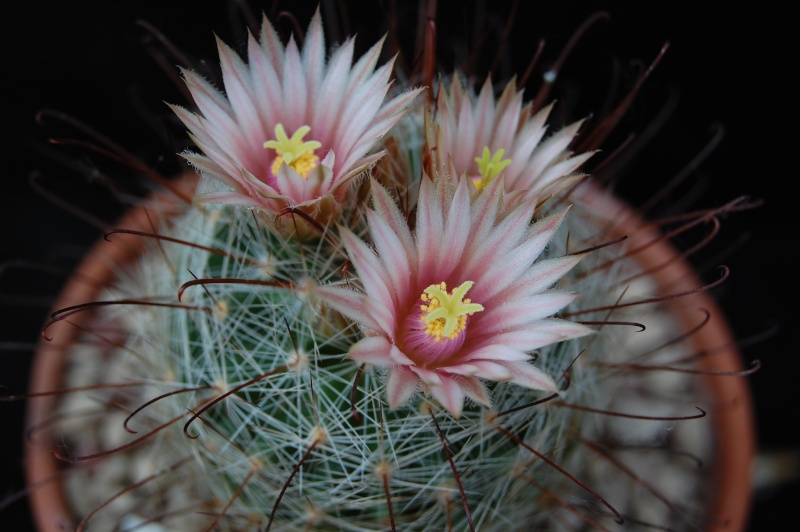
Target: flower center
[
  {"x": 445, "y": 315},
  {"x": 489, "y": 166},
  {"x": 294, "y": 151}
]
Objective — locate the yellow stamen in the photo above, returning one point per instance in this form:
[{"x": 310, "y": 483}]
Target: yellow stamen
[
  {"x": 446, "y": 315},
  {"x": 489, "y": 166},
  {"x": 294, "y": 151}
]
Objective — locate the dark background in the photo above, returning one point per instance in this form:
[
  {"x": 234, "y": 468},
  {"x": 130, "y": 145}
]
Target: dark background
[{"x": 725, "y": 67}]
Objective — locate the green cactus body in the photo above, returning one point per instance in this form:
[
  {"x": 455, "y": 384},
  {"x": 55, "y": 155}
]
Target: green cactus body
[{"x": 292, "y": 434}]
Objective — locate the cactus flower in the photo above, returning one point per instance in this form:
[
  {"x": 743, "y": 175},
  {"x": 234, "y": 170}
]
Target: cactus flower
[
  {"x": 292, "y": 127},
  {"x": 484, "y": 138},
  {"x": 458, "y": 299}
]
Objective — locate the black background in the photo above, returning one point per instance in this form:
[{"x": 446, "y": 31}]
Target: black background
[{"x": 725, "y": 67}]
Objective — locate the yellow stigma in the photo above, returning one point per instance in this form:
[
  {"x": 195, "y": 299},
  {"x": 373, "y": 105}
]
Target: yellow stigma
[
  {"x": 489, "y": 166},
  {"x": 295, "y": 152},
  {"x": 446, "y": 315}
]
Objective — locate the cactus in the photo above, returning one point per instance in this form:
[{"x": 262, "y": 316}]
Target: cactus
[{"x": 387, "y": 307}]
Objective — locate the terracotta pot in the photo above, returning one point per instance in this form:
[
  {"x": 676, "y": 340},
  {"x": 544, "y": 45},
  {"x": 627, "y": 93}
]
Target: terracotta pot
[
  {"x": 730, "y": 411},
  {"x": 96, "y": 271}
]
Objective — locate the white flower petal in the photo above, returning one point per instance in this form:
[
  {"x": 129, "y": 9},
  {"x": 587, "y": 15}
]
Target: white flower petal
[
  {"x": 496, "y": 351},
  {"x": 370, "y": 270},
  {"x": 539, "y": 333},
  {"x": 449, "y": 394},
  {"x": 524, "y": 310},
  {"x": 529, "y": 376},
  {"x": 401, "y": 383},
  {"x": 475, "y": 390},
  {"x": 358, "y": 308},
  {"x": 486, "y": 369},
  {"x": 236, "y": 78},
  {"x": 378, "y": 351}
]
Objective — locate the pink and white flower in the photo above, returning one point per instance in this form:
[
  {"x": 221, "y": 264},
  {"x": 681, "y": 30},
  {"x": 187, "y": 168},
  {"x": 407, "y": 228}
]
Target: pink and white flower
[
  {"x": 457, "y": 299},
  {"x": 291, "y": 127},
  {"x": 485, "y": 137}
]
